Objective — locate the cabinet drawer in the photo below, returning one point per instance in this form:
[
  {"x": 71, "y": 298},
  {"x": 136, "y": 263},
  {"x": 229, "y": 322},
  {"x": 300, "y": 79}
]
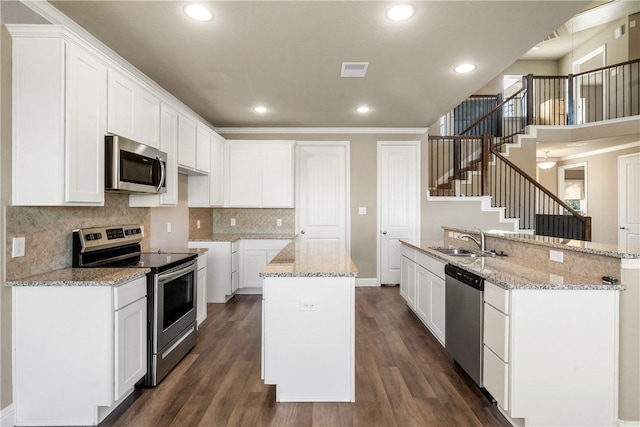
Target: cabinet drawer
[
  {"x": 496, "y": 296},
  {"x": 496, "y": 332},
  {"x": 431, "y": 264},
  {"x": 408, "y": 252},
  {"x": 496, "y": 378},
  {"x": 129, "y": 292}
]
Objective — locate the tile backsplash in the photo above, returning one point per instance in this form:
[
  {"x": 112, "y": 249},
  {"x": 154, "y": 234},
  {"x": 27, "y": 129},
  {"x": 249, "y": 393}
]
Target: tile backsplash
[
  {"x": 47, "y": 231},
  {"x": 250, "y": 221}
]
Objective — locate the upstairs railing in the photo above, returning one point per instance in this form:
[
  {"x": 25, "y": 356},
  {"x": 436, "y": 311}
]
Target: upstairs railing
[
  {"x": 468, "y": 164},
  {"x": 465, "y": 166},
  {"x": 602, "y": 94}
]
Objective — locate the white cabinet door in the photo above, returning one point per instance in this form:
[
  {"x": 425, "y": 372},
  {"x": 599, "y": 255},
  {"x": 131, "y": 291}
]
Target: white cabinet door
[
  {"x": 244, "y": 175},
  {"x": 436, "y": 301},
  {"x": 203, "y": 150},
  {"x": 86, "y": 105},
  {"x": 147, "y": 120},
  {"x": 133, "y": 112},
  {"x": 252, "y": 262},
  {"x": 277, "y": 175},
  {"x": 408, "y": 281},
  {"x": 122, "y": 105},
  {"x": 130, "y": 346},
  {"x": 186, "y": 142}
]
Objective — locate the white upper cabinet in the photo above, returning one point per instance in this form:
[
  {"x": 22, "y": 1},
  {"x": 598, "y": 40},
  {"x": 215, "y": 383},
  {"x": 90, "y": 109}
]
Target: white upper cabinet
[
  {"x": 168, "y": 144},
  {"x": 59, "y": 120},
  {"x": 260, "y": 174},
  {"x": 133, "y": 112},
  {"x": 194, "y": 147},
  {"x": 207, "y": 191}
]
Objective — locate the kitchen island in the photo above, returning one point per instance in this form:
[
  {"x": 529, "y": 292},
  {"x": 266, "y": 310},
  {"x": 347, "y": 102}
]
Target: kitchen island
[{"x": 308, "y": 323}]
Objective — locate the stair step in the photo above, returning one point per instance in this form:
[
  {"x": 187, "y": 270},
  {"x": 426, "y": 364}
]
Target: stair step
[{"x": 442, "y": 192}]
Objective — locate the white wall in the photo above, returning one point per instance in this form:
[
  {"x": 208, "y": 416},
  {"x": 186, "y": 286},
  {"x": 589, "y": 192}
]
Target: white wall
[{"x": 178, "y": 217}]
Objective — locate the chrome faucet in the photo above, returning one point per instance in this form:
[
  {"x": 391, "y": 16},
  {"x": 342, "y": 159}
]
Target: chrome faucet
[{"x": 481, "y": 244}]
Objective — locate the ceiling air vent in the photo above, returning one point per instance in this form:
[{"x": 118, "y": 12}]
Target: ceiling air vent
[{"x": 354, "y": 69}]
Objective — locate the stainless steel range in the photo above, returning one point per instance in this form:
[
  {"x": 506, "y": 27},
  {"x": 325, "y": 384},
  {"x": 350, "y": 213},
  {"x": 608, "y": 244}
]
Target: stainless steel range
[{"x": 171, "y": 290}]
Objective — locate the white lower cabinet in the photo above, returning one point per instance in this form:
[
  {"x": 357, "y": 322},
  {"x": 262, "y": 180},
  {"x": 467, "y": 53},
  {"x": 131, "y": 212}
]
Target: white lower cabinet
[
  {"x": 254, "y": 256},
  {"x": 422, "y": 286},
  {"x": 201, "y": 291},
  {"x": 221, "y": 269},
  {"x": 78, "y": 351},
  {"x": 550, "y": 356}
]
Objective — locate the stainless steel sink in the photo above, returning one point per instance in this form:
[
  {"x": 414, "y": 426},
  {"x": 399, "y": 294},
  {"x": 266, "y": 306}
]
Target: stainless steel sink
[{"x": 456, "y": 252}]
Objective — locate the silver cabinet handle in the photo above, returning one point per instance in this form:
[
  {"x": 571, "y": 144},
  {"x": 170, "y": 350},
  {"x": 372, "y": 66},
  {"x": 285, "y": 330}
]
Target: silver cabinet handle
[{"x": 302, "y": 231}]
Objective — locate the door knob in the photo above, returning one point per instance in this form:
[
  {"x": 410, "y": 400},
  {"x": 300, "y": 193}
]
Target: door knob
[
  {"x": 302, "y": 232},
  {"x": 623, "y": 228},
  {"x": 384, "y": 232}
]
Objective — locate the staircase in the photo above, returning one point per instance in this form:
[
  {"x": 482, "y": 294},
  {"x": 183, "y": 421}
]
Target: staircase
[{"x": 474, "y": 164}]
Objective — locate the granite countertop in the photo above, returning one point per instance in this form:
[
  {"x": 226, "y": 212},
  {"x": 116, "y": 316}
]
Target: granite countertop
[
  {"x": 594, "y": 248},
  {"x": 225, "y": 237},
  {"x": 311, "y": 259},
  {"x": 509, "y": 275},
  {"x": 82, "y": 277}
]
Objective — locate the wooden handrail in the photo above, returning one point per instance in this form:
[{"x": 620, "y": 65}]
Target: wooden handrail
[
  {"x": 608, "y": 67},
  {"x": 496, "y": 108}
]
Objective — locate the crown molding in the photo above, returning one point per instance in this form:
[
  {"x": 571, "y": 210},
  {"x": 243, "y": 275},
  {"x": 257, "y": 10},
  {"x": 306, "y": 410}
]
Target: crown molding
[{"x": 323, "y": 130}]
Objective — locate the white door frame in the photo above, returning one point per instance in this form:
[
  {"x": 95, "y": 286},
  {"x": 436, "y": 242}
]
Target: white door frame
[
  {"x": 347, "y": 146},
  {"x": 379, "y": 198}
]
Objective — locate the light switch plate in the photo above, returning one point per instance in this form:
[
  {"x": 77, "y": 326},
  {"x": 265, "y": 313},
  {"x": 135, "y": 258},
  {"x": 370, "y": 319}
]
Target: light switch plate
[
  {"x": 197, "y": 223},
  {"x": 362, "y": 211}
]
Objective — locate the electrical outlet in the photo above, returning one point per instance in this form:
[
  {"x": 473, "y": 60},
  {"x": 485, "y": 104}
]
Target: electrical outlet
[
  {"x": 362, "y": 211},
  {"x": 308, "y": 306},
  {"x": 556, "y": 256},
  {"x": 279, "y": 222},
  {"x": 142, "y": 231},
  {"x": 168, "y": 227},
  {"x": 233, "y": 222},
  {"x": 198, "y": 224},
  {"x": 18, "y": 247}
]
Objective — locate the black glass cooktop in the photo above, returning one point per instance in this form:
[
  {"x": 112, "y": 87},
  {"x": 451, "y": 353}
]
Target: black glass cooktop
[{"x": 153, "y": 260}]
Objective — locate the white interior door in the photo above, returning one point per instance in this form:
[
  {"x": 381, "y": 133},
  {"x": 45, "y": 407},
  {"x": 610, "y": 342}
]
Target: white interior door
[
  {"x": 322, "y": 191},
  {"x": 629, "y": 202},
  {"x": 398, "y": 203}
]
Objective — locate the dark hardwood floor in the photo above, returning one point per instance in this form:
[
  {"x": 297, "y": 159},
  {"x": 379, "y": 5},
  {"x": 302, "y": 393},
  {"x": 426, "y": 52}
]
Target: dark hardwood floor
[{"x": 403, "y": 377}]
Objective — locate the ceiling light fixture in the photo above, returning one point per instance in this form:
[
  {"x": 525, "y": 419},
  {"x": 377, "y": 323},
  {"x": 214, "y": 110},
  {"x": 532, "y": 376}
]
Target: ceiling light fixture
[
  {"x": 400, "y": 12},
  {"x": 363, "y": 109},
  {"x": 546, "y": 164},
  {"x": 464, "y": 68},
  {"x": 198, "y": 12},
  {"x": 535, "y": 48},
  {"x": 260, "y": 109}
]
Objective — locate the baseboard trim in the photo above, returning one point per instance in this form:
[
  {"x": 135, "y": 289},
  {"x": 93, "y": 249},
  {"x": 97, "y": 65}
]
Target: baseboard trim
[
  {"x": 7, "y": 416},
  {"x": 367, "y": 283},
  {"x": 623, "y": 423}
]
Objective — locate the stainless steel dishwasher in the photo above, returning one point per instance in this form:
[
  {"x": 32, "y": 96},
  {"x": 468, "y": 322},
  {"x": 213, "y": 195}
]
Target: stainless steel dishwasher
[{"x": 464, "y": 319}]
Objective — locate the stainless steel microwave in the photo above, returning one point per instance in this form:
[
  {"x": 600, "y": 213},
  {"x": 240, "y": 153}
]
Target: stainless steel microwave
[{"x": 134, "y": 167}]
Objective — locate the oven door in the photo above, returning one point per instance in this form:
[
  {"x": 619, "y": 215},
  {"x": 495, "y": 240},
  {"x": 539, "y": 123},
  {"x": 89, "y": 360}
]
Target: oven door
[{"x": 175, "y": 303}]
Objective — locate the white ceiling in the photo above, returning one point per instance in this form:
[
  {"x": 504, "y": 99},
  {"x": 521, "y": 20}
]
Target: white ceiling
[{"x": 287, "y": 55}]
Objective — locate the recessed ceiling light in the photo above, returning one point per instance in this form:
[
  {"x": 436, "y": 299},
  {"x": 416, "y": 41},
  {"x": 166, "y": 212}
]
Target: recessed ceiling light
[
  {"x": 363, "y": 109},
  {"x": 400, "y": 12},
  {"x": 198, "y": 12},
  {"x": 260, "y": 109},
  {"x": 464, "y": 68}
]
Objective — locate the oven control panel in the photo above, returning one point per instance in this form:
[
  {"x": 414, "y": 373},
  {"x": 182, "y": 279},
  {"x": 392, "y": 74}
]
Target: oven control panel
[{"x": 104, "y": 237}]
